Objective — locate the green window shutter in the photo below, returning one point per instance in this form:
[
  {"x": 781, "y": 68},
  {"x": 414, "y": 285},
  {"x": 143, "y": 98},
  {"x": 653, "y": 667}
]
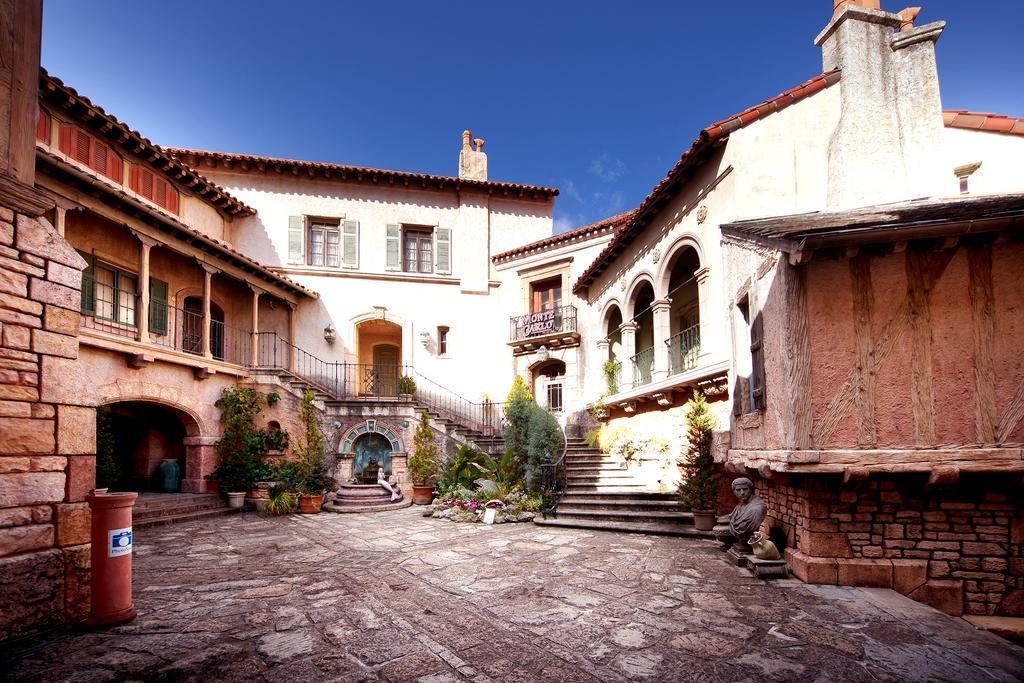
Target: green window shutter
[
  {"x": 88, "y": 284},
  {"x": 443, "y": 249},
  {"x": 296, "y": 239},
  {"x": 157, "y": 306},
  {"x": 394, "y": 247},
  {"x": 350, "y": 244}
]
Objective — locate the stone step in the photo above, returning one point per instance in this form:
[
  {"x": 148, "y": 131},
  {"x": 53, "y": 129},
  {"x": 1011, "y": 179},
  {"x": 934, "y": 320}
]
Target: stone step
[
  {"x": 598, "y": 475},
  {"x": 614, "y": 504},
  {"x": 641, "y": 516},
  {"x": 602, "y": 467},
  {"x": 602, "y": 489},
  {"x": 632, "y": 496},
  {"x": 192, "y": 516},
  {"x": 654, "y": 528}
]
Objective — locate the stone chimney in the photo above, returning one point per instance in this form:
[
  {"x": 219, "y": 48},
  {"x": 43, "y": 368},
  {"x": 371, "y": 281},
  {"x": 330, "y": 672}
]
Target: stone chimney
[
  {"x": 472, "y": 163},
  {"x": 888, "y": 143}
]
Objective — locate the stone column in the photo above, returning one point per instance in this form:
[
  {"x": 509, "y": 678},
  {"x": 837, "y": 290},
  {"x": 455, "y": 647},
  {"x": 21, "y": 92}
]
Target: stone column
[
  {"x": 255, "y": 352},
  {"x": 603, "y": 346},
  {"x": 703, "y": 277},
  {"x": 142, "y": 314},
  {"x": 661, "y": 309},
  {"x": 208, "y": 272},
  {"x": 628, "y": 351},
  {"x": 200, "y": 460},
  {"x": 292, "y": 323}
]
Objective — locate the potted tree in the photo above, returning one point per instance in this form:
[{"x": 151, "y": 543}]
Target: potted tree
[
  {"x": 314, "y": 480},
  {"x": 242, "y": 448},
  {"x": 423, "y": 466},
  {"x": 406, "y": 387},
  {"x": 698, "y": 491}
]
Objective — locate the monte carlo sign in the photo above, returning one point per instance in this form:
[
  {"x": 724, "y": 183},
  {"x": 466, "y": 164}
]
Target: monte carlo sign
[{"x": 538, "y": 323}]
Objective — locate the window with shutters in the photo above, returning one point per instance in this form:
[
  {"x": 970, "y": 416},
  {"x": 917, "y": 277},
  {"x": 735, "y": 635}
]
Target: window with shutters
[
  {"x": 546, "y": 295},
  {"x": 153, "y": 187},
  {"x": 755, "y": 384},
  {"x": 418, "y": 250},
  {"x": 157, "y": 306},
  {"x": 88, "y": 150},
  {"x": 108, "y": 293},
  {"x": 323, "y": 242},
  {"x": 43, "y": 123}
]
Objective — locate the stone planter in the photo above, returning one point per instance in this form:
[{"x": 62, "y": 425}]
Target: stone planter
[
  {"x": 236, "y": 499},
  {"x": 422, "y": 495},
  {"x": 310, "y": 504},
  {"x": 704, "y": 520},
  {"x": 405, "y": 398}
]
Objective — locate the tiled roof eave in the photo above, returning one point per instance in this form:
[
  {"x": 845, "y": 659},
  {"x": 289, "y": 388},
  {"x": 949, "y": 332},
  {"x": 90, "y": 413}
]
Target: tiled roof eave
[
  {"x": 173, "y": 223},
  {"x": 99, "y": 122},
  {"x": 706, "y": 140},
  {"x": 344, "y": 173},
  {"x": 579, "y": 234}
]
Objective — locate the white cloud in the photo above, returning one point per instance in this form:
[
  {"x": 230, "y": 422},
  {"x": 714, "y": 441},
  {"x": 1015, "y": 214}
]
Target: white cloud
[
  {"x": 567, "y": 222},
  {"x": 572, "y": 191},
  {"x": 607, "y": 169}
]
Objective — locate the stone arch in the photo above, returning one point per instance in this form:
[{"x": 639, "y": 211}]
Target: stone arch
[
  {"x": 672, "y": 254},
  {"x": 370, "y": 426},
  {"x": 607, "y": 310},
  {"x": 629, "y": 312},
  {"x": 151, "y": 392}
]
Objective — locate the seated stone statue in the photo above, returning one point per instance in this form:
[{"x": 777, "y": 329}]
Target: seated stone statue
[
  {"x": 383, "y": 481},
  {"x": 745, "y": 519}
]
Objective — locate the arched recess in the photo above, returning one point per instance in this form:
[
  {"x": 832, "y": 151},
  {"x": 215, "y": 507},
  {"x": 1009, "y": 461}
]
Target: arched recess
[
  {"x": 611, "y": 325},
  {"x": 166, "y": 395},
  {"x": 547, "y": 378},
  {"x": 678, "y": 249},
  {"x": 640, "y": 312},
  {"x": 635, "y": 289},
  {"x": 370, "y": 446},
  {"x": 399, "y": 334},
  {"x": 679, "y": 281},
  {"x": 137, "y": 440}
]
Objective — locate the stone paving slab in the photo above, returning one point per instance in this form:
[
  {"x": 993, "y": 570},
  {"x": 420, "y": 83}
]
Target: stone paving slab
[{"x": 397, "y": 597}]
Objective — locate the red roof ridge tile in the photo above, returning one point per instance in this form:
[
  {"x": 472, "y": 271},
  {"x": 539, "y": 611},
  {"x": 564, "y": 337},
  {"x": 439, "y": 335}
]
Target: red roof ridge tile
[
  {"x": 707, "y": 137},
  {"x": 992, "y": 123},
  {"x": 609, "y": 224},
  {"x": 345, "y": 168}
]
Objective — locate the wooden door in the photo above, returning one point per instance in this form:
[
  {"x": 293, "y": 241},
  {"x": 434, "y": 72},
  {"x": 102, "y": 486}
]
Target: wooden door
[{"x": 385, "y": 369}]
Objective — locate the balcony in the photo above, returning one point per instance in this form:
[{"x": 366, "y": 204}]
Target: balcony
[
  {"x": 554, "y": 328},
  {"x": 683, "y": 350}
]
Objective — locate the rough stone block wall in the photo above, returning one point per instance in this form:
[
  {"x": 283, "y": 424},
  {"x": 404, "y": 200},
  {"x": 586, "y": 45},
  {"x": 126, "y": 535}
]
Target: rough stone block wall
[
  {"x": 966, "y": 541},
  {"x": 47, "y": 440}
]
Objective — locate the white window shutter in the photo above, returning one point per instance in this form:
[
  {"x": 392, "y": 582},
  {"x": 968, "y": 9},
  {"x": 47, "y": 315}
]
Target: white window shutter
[
  {"x": 443, "y": 249},
  {"x": 296, "y": 239},
  {"x": 350, "y": 244},
  {"x": 394, "y": 247}
]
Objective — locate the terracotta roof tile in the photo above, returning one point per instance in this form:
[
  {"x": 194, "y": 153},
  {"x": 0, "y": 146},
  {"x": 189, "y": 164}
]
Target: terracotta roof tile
[
  {"x": 601, "y": 227},
  {"x": 246, "y": 162},
  {"x": 690, "y": 159},
  {"x": 53, "y": 90},
  {"x": 995, "y": 123}
]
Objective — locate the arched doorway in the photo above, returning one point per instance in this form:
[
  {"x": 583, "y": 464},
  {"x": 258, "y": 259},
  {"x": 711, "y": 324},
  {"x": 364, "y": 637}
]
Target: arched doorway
[
  {"x": 548, "y": 381},
  {"x": 192, "y": 327},
  {"x": 641, "y": 314},
  {"x": 613, "y": 332},
  {"x": 379, "y": 350},
  {"x": 134, "y": 440},
  {"x": 684, "y": 339}
]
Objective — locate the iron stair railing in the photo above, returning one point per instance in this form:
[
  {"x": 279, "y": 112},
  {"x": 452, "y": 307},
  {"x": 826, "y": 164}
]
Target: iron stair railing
[{"x": 553, "y": 479}]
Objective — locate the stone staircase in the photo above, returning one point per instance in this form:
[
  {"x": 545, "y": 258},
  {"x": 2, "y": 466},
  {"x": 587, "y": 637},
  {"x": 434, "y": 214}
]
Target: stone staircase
[
  {"x": 601, "y": 494},
  {"x": 161, "y": 509}
]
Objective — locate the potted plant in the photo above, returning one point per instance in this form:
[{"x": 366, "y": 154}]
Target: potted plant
[
  {"x": 281, "y": 501},
  {"x": 311, "y": 478},
  {"x": 406, "y": 387},
  {"x": 240, "y": 451},
  {"x": 698, "y": 491},
  {"x": 423, "y": 468}
]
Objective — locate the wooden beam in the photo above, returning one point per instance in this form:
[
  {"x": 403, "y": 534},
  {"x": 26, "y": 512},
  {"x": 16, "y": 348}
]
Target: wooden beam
[
  {"x": 797, "y": 411},
  {"x": 863, "y": 327},
  {"x": 979, "y": 262},
  {"x": 922, "y": 390},
  {"x": 800, "y": 257}
]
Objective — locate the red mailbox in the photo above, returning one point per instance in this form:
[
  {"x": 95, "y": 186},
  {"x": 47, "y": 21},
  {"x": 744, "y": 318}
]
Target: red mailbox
[{"x": 111, "y": 558}]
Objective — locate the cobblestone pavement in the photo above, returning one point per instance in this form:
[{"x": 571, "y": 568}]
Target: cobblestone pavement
[{"x": 397, "y": 597}]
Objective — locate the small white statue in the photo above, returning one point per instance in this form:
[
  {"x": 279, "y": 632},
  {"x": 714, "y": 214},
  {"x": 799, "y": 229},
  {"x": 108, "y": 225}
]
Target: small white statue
[{"x": 382, "y": 480}]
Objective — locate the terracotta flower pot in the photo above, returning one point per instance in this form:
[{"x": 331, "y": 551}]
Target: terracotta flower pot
[
  {"x": 704, "y": 520},
  {"x": 236, "y": 499},
  {"x": 310, "y": 504},
  {"x": 422, "y": 495}
]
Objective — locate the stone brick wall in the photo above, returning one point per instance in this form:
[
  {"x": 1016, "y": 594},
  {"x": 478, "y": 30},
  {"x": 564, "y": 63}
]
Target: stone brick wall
[
  {"x": 960, "y": 548},
  {"x": 47, "y": 439}
]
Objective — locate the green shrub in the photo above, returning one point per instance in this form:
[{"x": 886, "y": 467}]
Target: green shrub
[
  {"x": 518, "y": 409},
  {"x": 282, "y": 501},
  {"x": 699, "y": 488},
  {"x": 423, "y": 467},
  {"x": 406, "y": 385},
  {"x": 545, "y": 438},
  {"x": 242, "y": 448},
  {"x": 108, "y": 472},
  {"x": 312, "y": 477}
]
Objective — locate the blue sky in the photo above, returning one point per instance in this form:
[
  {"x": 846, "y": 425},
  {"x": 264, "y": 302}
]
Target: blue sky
[{"x": 596, "y": 98}]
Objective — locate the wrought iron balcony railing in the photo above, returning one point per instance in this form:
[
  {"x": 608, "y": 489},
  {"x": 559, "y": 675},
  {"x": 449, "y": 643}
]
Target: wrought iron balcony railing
[
  {"x": 552, "y": 321},
  {"x": 643, "y": 367},
  {"x": 683, "y": 350}
]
